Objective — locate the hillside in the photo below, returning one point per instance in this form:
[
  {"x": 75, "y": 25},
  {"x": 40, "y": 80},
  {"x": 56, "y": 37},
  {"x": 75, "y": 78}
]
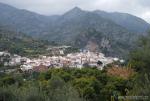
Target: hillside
[{"x": 19, "y": 43}]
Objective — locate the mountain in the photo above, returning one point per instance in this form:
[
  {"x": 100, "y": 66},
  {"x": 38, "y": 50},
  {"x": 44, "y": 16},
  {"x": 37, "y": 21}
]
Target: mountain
[
  {"x": 130, "y": 22},
  {"x": 85, "y": 29},
  {"x": 112, "y": 33},
  {"x": 35, "y": 24}
]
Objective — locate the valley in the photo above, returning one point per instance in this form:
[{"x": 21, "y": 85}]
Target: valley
[{"x": 82, "y": 54}]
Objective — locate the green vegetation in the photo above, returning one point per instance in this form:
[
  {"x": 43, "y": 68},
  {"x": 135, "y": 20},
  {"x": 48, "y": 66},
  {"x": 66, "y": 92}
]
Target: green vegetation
[
  {"x": 140, "y": 58},
  {"x": 140, "y": 61},
  {"x": 87, "y": 84}
]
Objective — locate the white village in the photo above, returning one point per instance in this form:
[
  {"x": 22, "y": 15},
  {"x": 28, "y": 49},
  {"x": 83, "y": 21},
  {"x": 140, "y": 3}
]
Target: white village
[{"x": 71, "y": 60}]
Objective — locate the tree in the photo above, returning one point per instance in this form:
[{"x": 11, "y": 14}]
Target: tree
[
  {"x": 8, "y": 80},
  {"x": 140, "y": 61},
  {"x": 141, "y": 86},
  {"x": 140, "y": 58},
  {"x": 88, "y": 87},
  {"x": 60, "y": 91},
  {"x": 7, "y": 94}
]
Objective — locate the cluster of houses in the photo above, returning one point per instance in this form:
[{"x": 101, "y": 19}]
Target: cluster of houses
[
  {"x": 72, "y": 60},
  {"x": 7, "y": 59},
  {"x": 57, "y": 50}
]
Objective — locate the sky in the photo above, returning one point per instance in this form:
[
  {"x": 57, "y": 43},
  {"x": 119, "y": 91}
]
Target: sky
[{"x": 140, "y": 8}]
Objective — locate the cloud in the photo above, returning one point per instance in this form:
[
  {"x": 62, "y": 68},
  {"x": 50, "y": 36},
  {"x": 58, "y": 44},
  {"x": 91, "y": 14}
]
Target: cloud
[{"x": 140, "y": 8}]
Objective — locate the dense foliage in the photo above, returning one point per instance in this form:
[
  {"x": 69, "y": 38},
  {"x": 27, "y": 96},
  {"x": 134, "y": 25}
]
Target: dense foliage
[
  {"x": 140, "y": 58},
  {"x": 87, "y": 84},
  {"x": 140, "y": 61}
]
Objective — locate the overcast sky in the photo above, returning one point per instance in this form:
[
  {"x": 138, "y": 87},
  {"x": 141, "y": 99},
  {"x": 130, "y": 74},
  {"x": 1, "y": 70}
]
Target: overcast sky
[{"x": 139, "y": 8}]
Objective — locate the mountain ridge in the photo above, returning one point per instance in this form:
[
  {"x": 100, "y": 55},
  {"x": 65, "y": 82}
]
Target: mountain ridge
[
  {"x": 137, "y": 25},
  {"x": 42, "y": 21}
]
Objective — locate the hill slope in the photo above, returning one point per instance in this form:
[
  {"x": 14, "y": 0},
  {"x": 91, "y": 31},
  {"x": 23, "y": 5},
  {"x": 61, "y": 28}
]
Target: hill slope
[{"x": 19, "y": 43}]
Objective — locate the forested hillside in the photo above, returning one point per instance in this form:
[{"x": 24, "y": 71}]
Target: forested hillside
[{"x": 19, "y": 43}]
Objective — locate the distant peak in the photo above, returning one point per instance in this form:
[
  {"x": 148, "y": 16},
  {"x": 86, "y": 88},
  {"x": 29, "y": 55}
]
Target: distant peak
[{"x": 76, "y": 9}]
